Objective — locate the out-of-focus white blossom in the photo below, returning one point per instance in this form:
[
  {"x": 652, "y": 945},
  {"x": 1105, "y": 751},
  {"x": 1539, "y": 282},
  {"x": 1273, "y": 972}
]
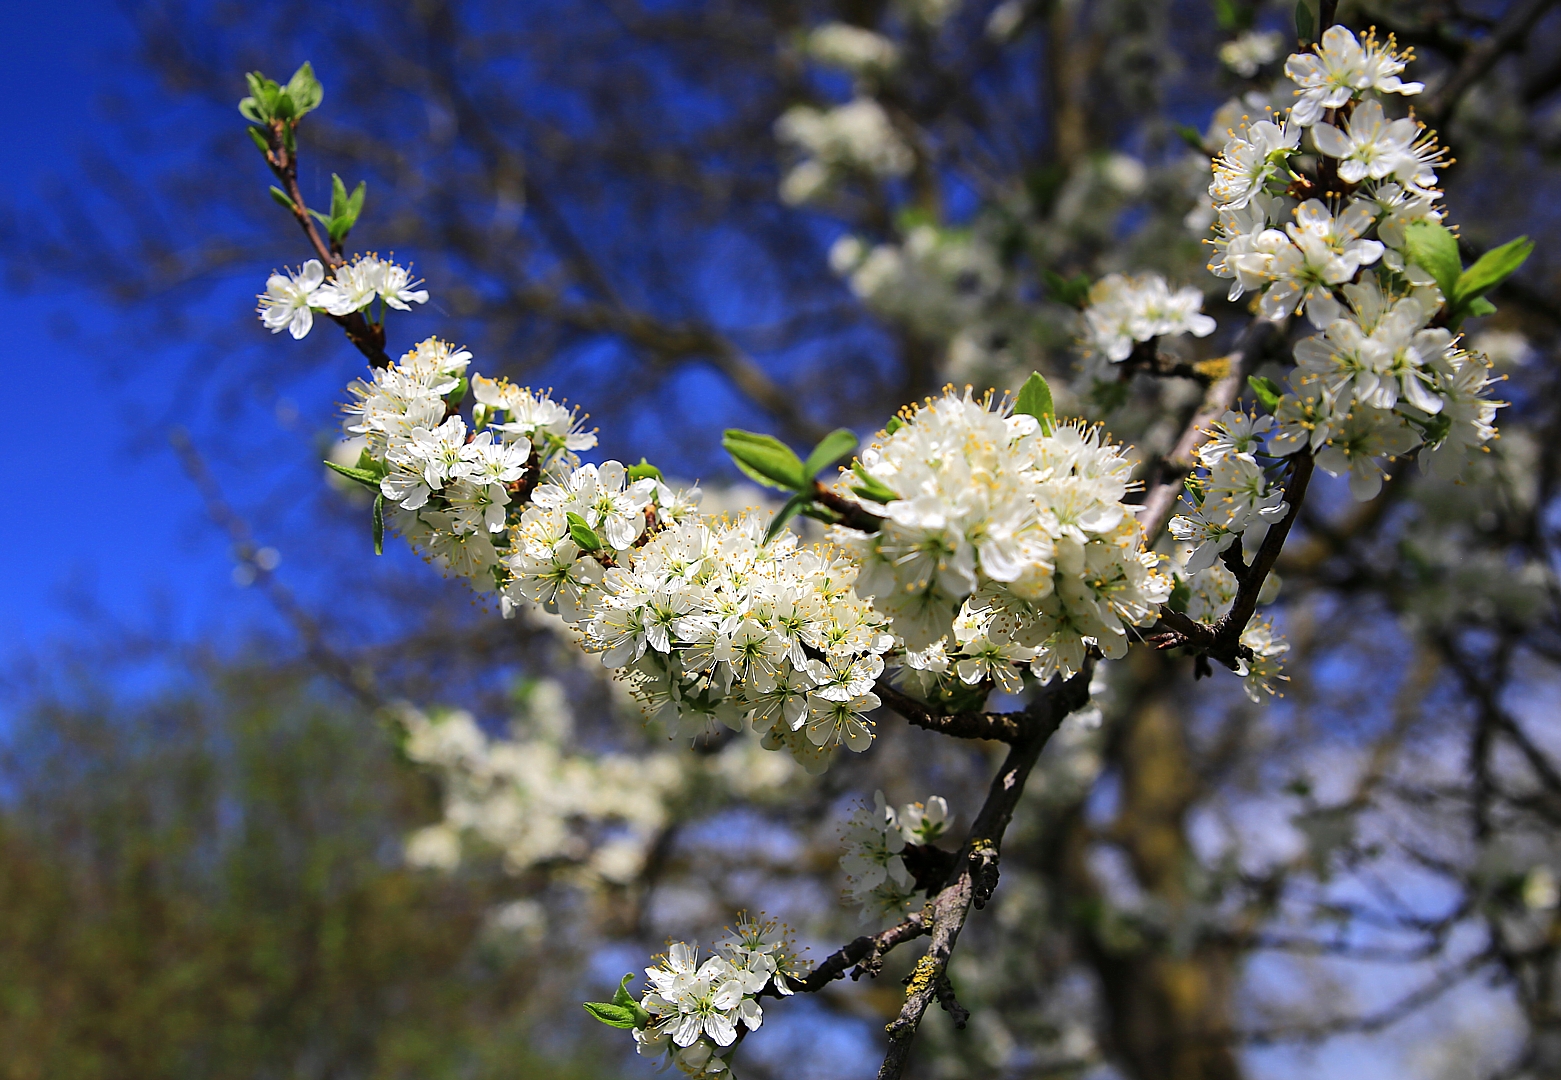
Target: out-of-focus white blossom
[
  {"x": 1246, "y": 54},
  {"x": 855, "y": 137},
  {"x": 852, "y": 48},
  {"x": 1123, "y": 310}
]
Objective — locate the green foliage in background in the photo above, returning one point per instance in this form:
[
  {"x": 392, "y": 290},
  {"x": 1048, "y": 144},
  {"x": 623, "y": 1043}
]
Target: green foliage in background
[{"x": 212, "y": 887}]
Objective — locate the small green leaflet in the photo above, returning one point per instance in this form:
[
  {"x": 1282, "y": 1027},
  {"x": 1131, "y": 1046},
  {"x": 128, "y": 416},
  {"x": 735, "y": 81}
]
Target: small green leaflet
[
  {"x": 793, "y": 507},
  {"x": 894, "y": 424},
  {"x": 1491, "y": 269},
  {"x": 304, "y": 90},
  {"x": 344, "y": 209},
  {"x": 1434, "y": 249},
  {"x": 281, "y": 197},
  {"x": 765, "y": 459},
  {"x": 1190, "y": 135},
  {"x": 369, "y": 478},
  {"x": 1072, "y": 291},
  {"x": 617, "y": 1016},
  {"x": 1267, "y": 392},
  {"x": 871, "y": 487},
  {"x": 1304, "y": 23},
  {"x": 831, "y": 448},
  {"x": 622, "y": 1012},
  {"x": 582, "y": 534},
  {"x": 379, "y": 524},
  {"x": 1035, "y": 399},
  {"x": 643, "y": 470}
]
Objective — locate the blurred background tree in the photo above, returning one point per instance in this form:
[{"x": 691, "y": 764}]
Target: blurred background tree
[{"x": 602, "y": 200}]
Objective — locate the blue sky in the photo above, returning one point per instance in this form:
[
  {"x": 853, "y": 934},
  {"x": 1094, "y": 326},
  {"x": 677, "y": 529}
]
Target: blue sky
[{"x": 141, "y": 563}]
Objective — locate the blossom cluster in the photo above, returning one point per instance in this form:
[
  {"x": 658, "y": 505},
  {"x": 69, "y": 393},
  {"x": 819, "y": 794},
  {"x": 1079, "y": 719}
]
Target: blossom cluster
[
  {"x": 1233, "y": 495},
  {"x": 1206, "y": 587},
  {"x": 712, "y": 627},
  {"x": 937, "y": 280},
  {"x": 693, "y": 1009},
  {"x": 707, "y": 624},
  {"x": 855, "y": 137},
  {"x": 1299, "y": 265},
  {"x": 1380, "y": 380},
  {"x": 1123, "y": 310},
  {"x": 531, "y": 800},
  {"x": 1003, "y": 542},
  {"x": 1017, "y": 551},
  {"x": 291, "y": 300},
  {"x": 877, "y": 880}
]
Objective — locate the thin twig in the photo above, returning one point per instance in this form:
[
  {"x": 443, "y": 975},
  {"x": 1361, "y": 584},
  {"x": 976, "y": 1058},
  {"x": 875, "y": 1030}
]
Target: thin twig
[{"x": 1259, "y": 336}]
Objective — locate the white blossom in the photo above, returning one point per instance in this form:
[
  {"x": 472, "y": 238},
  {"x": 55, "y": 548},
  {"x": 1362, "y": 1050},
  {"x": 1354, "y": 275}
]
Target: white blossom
[
  {"x": 1342, "y": 67},
  {"x": 1254, "y": 155},
  {"x": 1247, "y": 53},
  {"x": 1123, "y": 310},
  {"x": 852, "y": 48},
  {"x": 357, "y": 284},
  {"x": 289, "y": 300}
]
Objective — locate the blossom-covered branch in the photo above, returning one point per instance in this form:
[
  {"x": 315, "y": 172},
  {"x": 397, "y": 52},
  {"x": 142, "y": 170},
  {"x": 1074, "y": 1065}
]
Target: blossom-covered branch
[{"x": 978, "y": 542}]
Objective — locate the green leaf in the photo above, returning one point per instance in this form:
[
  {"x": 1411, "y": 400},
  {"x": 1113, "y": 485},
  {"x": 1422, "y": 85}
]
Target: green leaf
[
  {"x": 456, "y": 396},
  {"x": 354, "y": 207},
  {"x": 1180, "y": 594},
  {"x": 582, "y": 534},
  {"x": 894, "y": 424},
  {"x": 1190, "y": 135},
  {"x": 1108, "y": 395},
  {"x": 1304, "y": 23},
  {"x": 1480, "y": 306},
  {"x": 642, "y": 470},
  {"x": 305, "y": 90},
  {"x": 1435, "y": 250},
  {"x": 379, "y": 524},
  {"x": 367, "y": 477},
  {"x": 618, "y": 1016},
  {"x": 368, "y": 463},
  {"x": 1035, "y": 399},
  {"x": 249, "y": 109},
  {"x": 793, "y": 507},
  {"x": 1229, "y": 16},
  {"x": 622, "y": 996},
  {"x": 282, "y": 198},
  {"x": 765, "y": 459},
  {"x": 1072, "y": 291},
  {"x": 258, "y": 136},
  {"x": 871, "y": 487},
  {"x": 263, "y": 90},
  {"x": 1491, "y": 269},
  {"x": 338, "y": 196},
  {"x": 1267, "y": 391},
  {"x": 830, "y": 449}
]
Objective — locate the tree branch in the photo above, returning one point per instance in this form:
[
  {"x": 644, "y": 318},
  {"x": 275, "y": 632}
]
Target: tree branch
[
  {"x": 865, "y": 953},
  {"x": 975, "y": 875},
  {"x": 1509, "y": 33}
]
